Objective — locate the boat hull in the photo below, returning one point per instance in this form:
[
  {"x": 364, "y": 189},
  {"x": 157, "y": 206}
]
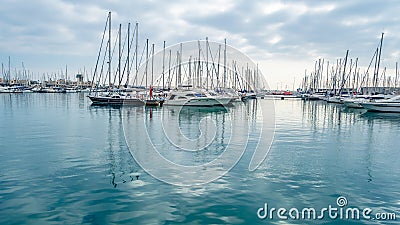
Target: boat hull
[
  {"x": 154, "y": 102},
  {"x": 199, "y": 102},
  {"x": 382, "y": 107},
  {"x": 100, "y": 100},
  {"x": 354, "y": 105},
  {"x": 335, "y": 100}
]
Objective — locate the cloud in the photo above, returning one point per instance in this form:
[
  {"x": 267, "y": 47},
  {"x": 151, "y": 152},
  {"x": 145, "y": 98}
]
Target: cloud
[{"x": 50, "y": 33}]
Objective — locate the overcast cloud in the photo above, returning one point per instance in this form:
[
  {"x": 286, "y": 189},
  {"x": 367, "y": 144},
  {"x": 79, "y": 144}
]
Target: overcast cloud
[{"x": 285, "y": 37}]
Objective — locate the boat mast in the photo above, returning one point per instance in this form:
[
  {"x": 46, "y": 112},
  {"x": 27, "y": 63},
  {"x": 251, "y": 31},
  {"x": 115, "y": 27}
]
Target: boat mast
[
  {"x": 109, "y": 51},
  {"x": 180, "y": 66},
  {"x": 190, "y": 71},
  {"x": 177, "y": 71},
  {"x": 127, "y": 57},
  {"x": 136, "y": 52},
  {"x": 147, "y": 59},
  {"x": 396, "y": 79},
  {"x": 152, "y": 63},
  {"x": 163, "y": 67},
  {"x": 344, "y": 72},
  {"x": 219, "y": 60},
  {"x": 354, "y": 76},
  {"x": 119, "y": 55},
  {"x": 379, "y": 59},
  {"x": 207, "y": 63},
  {"x": 224, "y": 63},
  {"x": 199, "y": 66},
  {"x": 66, "y": 72},
  {"x": 2, "y": 71},
  {"x": 169, "y": 69},
  {"x": 9, "y": 70}
]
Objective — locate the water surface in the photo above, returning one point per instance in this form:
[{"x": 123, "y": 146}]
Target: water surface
[{"x": 65, "y": 161}]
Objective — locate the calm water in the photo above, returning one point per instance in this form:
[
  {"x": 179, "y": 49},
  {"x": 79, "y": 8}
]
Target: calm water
[{"x": 65, "y": 161}]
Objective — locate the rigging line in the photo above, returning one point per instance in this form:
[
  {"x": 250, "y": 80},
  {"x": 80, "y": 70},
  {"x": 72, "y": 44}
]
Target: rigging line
[
  {"x": 98, "y": 56},
  {"x": 122, "y": 53},
  {"x": 102, "y": 67},
  {"x": 140, "y": 65}
]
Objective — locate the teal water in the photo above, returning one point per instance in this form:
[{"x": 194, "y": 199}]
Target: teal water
[{"x": 63, "y": 161}]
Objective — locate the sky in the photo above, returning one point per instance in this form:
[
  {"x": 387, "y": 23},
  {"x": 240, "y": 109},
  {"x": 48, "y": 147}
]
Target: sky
[{"x": 285, "y": 38}]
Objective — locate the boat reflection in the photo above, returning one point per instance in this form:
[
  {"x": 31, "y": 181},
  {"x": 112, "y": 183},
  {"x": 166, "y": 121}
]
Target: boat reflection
[{"x": 122, "y": 166}]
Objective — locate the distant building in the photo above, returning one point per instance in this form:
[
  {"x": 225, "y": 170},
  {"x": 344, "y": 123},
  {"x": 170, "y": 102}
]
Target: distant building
[
  {"x": 79, "y": 78},
  {"x": 379, "y": 90}
]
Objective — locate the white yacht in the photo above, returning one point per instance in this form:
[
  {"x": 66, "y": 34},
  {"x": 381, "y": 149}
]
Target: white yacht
[
  {"x": 355, "y": 102},
  {"x": 386, "y": 105},
  {"x": 195, "y": 98},
  {"x": 11, "y": 89}
]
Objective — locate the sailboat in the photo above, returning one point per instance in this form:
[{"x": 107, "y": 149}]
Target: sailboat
[
  {"x": 114, "y": 97},
  {"x": 153, "y": 101}
]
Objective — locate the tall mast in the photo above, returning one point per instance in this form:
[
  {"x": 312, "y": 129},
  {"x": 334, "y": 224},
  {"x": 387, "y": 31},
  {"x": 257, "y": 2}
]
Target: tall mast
[
  {"x": 396, "y": 79},
  {"x": 219, "y": 59},
  {"x": 190, "y": 70},
  {"x": 354, "y": 76},
  {"x": 2, "y": 71},
  {"x": 127, "y": 57},
  {"x": 109, "y": 51},
  {"x": 9, "y": 70},
  {"x": 224, "y": 63},
  {"x": 136, "y": 52},
  {"x": 177, "y": 72},
  {"x": 180, "y": 66},
  {"x": 199, "y": 66},
  {"x": 248, "y": 78},
  {"x": 256, "y": 76},
  {"x": 379, "y": 58},
  {"x": 152, "y": 63},
  {"x": 66, "y": 73},
  {"x": 374, "y": 79},
  {"x": 207, "y": 63},
  {"x": 344, "y": 72},
  {"x": 169, "y": 68},
  {"x": 147, "y": 58},
  {"x": 119, "y": 55},
  {"x": 163, "y": 67}
]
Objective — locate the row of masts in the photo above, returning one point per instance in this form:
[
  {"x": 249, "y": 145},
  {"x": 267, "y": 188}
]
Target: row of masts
[
  {"x": 345, "y": 74},
  {"x": 24, "y": 76},
  {"x": 206, "y": 70}
]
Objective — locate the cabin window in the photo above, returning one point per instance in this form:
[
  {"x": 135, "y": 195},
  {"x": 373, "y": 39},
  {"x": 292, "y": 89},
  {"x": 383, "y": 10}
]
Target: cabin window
[
  {"x": 172, "y": 97},
  {"x": 200, "y": 95}
]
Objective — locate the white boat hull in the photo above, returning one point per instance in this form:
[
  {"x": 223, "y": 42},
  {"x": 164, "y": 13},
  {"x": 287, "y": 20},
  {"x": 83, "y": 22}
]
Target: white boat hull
[
  {"x": 382, "y": 107},
  {"x": 199, "y": 102},
  {"x": 334, "y": 99},
  {"x": 355, "y": 105}
]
